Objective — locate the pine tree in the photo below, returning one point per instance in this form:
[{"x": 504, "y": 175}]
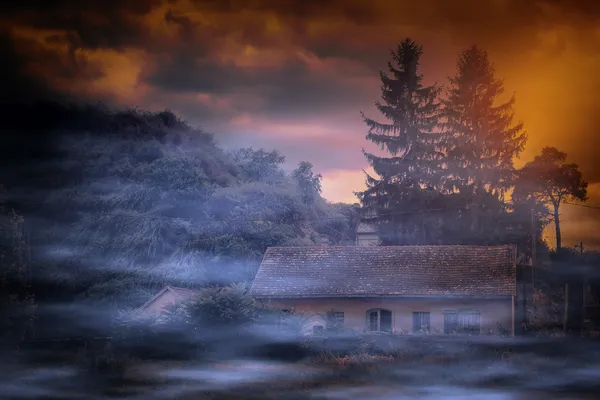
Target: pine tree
[
  {"x": 408, "y": 179},
  {"x": 481, "y": 141}
]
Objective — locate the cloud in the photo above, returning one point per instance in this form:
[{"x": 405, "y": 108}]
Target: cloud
[{"x": 304, "y": 65}]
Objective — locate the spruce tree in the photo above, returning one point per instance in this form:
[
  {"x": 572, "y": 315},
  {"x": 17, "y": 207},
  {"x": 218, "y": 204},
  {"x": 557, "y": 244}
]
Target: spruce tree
[
  {"x": 481, "y": 140},
  {"x": 408, "y": 179},
  {"x": 480, "y": 143}
]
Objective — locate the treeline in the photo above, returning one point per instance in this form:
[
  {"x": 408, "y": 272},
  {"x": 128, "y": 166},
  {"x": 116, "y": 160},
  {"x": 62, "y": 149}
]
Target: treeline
[
  {"x": 119, "y": 203},
  {"x": 448, "y": 176}
]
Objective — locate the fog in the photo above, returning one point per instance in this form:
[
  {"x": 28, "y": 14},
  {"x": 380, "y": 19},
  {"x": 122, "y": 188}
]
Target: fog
[{"x": 115, "y": 210}]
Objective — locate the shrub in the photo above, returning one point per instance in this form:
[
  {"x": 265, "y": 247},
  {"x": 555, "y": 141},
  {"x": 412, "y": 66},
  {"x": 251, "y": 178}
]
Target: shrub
[{"x": 218, "y": 307}]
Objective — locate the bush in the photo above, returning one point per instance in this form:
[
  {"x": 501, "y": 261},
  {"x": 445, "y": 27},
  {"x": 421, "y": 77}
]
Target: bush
[{"x": 219, "y": 307}]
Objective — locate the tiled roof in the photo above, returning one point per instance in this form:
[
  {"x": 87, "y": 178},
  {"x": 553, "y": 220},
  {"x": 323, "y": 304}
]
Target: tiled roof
[{"x": 363, "y": 271}]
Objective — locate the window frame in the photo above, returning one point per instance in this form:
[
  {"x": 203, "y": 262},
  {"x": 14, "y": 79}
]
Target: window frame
[
  {"x": 379, "y": 320},
  {"x": 421, "y": 314},
  {"x": 461, "y": 322}
]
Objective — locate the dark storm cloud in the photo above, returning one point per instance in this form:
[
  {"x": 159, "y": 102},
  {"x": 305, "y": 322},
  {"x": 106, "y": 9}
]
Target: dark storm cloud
[
  {"x": 360, "y": 12},
  {"x": 117, "y": 24},
  {"x": 292, "y": 89},
  {"x": 77, "y": 24},
  {"x": 21, "y": 82},
  {"x": 16, "y": 84},
  {"x": 358, "y": 31},
  {"x": 109, "y": 23}
]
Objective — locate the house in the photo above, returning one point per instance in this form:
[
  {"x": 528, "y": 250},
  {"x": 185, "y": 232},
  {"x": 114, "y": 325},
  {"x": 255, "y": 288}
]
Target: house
[
  {"x": 395, "y": 289},
  {"x": 168, "y": 295}
]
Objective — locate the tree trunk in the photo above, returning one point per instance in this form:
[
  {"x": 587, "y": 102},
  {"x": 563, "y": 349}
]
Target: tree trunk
[{"x": 557, "y": 227}]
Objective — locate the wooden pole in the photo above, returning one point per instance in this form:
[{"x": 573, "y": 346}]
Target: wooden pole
[
  {"x": 566, "y": 313},
  {"x": 533, "y": 251},
  {"x": 584, "y": 289},
  {"x": 533, "y": 240},
  {"x": 512, "y": 329}
]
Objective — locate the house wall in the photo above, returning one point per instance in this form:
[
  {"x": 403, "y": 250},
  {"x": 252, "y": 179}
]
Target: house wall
[
  {"x": 493, "y": 311},
  {"x": 367, "y": 239},
  {"x": 159, "y": 304}
]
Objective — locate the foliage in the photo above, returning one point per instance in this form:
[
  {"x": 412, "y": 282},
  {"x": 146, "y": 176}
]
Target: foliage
[
  {"x": 549, "y": 180},
  {"x": 338, "y": 226},
  {"x": 449, "y": 167},
  {"x": 448, "y": 187},
  {"x": 309, "y": 183},
  {"x": 480, "y": 140},
  {"x": 127, "y": 201},
  {"x": 216, "y": 307},
  {"x": 259, "y": 165},
  {"x": 480, "y": 143},
  {"x": 408, "y": 178},
  {"x": 545, "y": 313}
]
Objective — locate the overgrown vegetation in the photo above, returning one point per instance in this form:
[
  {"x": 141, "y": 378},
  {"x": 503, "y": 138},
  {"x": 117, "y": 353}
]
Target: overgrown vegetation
[
  {"x": 146, "y": 200},
  {"x": 120, "y": 203},
  {"x": 450, "y": 162}
]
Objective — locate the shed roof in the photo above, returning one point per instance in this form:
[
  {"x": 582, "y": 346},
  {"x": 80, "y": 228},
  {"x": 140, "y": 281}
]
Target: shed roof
[{"x": 367, "y": 271}]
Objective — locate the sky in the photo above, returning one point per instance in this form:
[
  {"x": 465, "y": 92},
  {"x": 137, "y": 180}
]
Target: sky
[{"x": 295, "y": 75}]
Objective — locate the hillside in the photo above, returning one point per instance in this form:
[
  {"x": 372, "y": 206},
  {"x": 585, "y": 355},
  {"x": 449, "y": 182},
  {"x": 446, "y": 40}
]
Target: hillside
[{"x": 121, "y": 202}]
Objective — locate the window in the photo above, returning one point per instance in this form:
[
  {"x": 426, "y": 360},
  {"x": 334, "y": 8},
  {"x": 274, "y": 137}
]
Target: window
[
  {"x": 379, "y": 320},
  {"x": 335, "y": 321},
  {"x": 464, "y": 322},
  {"x": 284, "y": 315},
  {"x": 421, "y": 322}
]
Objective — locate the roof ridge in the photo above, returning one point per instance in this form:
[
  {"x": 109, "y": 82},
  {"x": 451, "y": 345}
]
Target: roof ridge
[{"x": 397, "y": 246}]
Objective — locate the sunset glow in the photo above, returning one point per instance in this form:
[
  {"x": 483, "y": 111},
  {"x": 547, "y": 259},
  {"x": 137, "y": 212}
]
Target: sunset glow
[{"x": 294, "y": 75}]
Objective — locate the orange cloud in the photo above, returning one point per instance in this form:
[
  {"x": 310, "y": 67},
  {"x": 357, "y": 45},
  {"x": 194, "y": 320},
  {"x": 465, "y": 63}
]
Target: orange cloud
[{"x": 296, "y": 74}]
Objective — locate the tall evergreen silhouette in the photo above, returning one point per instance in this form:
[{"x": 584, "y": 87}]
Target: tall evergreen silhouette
[
  {"x": 407, "y": 180},
  {"x": 480, "y": 143},
  {"x": 481, "y": 140}
]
